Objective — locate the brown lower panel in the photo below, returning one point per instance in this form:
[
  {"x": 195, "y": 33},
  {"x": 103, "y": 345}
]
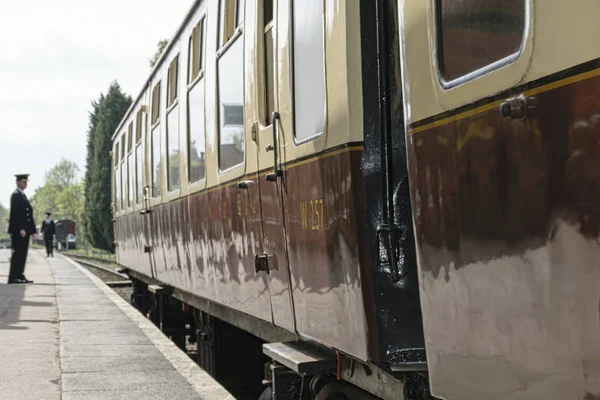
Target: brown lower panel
[
  {"x": 507, "y": 217},
  {"x": 257, "y": 327},
  {"x": 206, "y": 245}
]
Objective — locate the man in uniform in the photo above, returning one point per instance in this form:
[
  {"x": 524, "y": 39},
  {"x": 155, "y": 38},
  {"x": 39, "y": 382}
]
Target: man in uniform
[
  {"x": 20, "y": 226},
  {"x": 49, "y": 229}
]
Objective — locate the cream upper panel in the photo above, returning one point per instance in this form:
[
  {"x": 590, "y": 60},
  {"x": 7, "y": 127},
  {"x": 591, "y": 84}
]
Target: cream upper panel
[{"x": 556, "y": 37}]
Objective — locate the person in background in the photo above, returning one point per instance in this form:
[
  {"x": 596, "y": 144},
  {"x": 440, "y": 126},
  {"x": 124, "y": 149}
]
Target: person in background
[
  {"x": 20, "y": 226},
  {"x": 48, "y": 229}
]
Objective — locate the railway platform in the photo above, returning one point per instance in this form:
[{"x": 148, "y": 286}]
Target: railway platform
[{"x": 69, "y": 336}]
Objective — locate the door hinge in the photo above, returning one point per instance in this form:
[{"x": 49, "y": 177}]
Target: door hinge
[
  {"x": 389, "y": 249},
  {"x": 254, "y": 130}
]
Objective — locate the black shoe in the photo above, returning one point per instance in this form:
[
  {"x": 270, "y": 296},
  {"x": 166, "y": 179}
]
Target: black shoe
[
  {"x": 19, "y": 281},
  {"x": 25, "y": 280}
]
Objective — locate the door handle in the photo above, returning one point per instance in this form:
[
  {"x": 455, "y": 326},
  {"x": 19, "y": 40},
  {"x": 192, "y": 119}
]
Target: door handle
[
  {"x": 519, "y": 107},
  {"x": 244, "y": 184},
  {"x": 277, "y": 173}
]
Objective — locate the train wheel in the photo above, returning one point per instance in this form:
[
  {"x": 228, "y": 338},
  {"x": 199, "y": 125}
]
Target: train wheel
[
  {"x": 340, "y": 391},
  {"x": 267, "y": 394}
]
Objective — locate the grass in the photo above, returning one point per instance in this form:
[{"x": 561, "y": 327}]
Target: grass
[
  {"x": 106, "y": 258},
  {"x": 86, "y": 252},
  {"x": 92, "y": 252}
]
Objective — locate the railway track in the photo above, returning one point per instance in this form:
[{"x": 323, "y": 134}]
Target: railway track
[{"x": 119, "y": 282}]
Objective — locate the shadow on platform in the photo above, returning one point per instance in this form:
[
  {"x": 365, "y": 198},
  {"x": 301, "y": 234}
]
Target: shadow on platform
[{"x": 12, "y": 300}]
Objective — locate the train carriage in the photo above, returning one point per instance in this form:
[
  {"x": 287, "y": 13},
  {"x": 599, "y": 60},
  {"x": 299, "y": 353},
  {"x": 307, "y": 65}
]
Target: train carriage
[{"x": 377, "y": 198}]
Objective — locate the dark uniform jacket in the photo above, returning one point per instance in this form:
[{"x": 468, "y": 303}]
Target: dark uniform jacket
[
  {"x": 21, "y": 214},
  {"x": 48, "y": 228}
]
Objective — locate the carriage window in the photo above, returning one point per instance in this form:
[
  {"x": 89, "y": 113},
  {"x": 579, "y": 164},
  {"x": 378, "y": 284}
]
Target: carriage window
[
  {"x": 138, "y": 174},
  {"x": 117, "y": 188},
  {"x": 130, "y": 179},
  {"x": 173, "y": 128},
  {"x": 196, "y": 140},
  {"x": 122, "y": 185},
  {"x": 122, "y": 172},
  {"x": 195, "y": 123},
  {"x": 138, "y": 157},
  {"x": 139, "y": 121},
  {"x": 239, "y": 12},
  {"x": 231, "y": 106},
  {"x": 116, "y": 176},
  {"x": 129, "y": 166},
  {"x": 196, "y": 51},
  {"x": 172, "y": 84},
  {"x": 155, "y": 103},
  {"x": 231, "y": 16},
  {"x": 475, "y": 34},
  {"x": 269, "y": 33},
  {"x": 129, "y": 137},
  {"x": 202, "y": 41},
  {"x": 155, "y": 167},
  {"x": 155, "y": 162},
  {"x": 309, "y": 69},
  {"x": 173, "y": 148}
]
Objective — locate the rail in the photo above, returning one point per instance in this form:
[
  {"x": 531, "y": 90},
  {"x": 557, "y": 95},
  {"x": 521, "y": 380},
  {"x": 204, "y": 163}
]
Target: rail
[{"x": 88, "y": 261}]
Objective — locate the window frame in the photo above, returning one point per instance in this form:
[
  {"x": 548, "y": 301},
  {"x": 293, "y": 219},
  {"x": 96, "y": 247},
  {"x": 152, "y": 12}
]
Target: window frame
[
  {"x": 264, "y": 29},
  {"x": 228, "y": 24},
  {"x": 130, "y": 201},
  {"x": 122, "y": 184},
  {"x": 479, "y": 87},
  {"x": 199, "y": 30},
  {"x": 194, "y": 81},
  {"x": 221, "y": 51},
  {"x": 116, "y": 183},
  {"x": 483, "y": 71},
  {"x": 139, "y": 157},
  {"x": 292, "y": 84},
  {"x": 130, "y": 161},
  {"x": 155, "y": 123},
  {"x": 172, "y": 105}
]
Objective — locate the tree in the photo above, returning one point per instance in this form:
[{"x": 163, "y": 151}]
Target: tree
[
  {"x": 62, "y": 175},
  {"x": 3, "y": 223},
  {"x": 161, "y": 46},
  {"x": 61, "y": 194},
  {"x": 104, "y": 120},
  {"x": 90, "y": 166},
  {"x": 44, "y": 200},
  {"x": 70, "y": 202}
]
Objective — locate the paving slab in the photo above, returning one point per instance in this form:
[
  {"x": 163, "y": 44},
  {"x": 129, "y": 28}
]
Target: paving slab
[
  {"x": 69, "y": 336},
  {"x": 29, "y": 333},
  {"x": 113, "y": 364}
]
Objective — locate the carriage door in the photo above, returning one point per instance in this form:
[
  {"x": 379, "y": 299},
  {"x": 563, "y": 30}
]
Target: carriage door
[
  {"x": 152, "y": 187},
  {"x": 146, "y": 194},
  {"x": 269, "y": 139}
]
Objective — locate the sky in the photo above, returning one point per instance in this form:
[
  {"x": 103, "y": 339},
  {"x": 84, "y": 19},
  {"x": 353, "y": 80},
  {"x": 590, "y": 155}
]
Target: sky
[{"x": 56, "y": 58}]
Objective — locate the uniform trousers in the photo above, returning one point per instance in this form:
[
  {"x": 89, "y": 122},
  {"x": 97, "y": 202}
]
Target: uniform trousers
[
  {"x": 20, "y": 246},
  {"x": 48, "y": 242}
]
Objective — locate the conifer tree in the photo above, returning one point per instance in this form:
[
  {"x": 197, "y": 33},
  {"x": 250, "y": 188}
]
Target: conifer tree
[
  {"x": 106, "y": 116},
  {"x": 91, "y": 231}
]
